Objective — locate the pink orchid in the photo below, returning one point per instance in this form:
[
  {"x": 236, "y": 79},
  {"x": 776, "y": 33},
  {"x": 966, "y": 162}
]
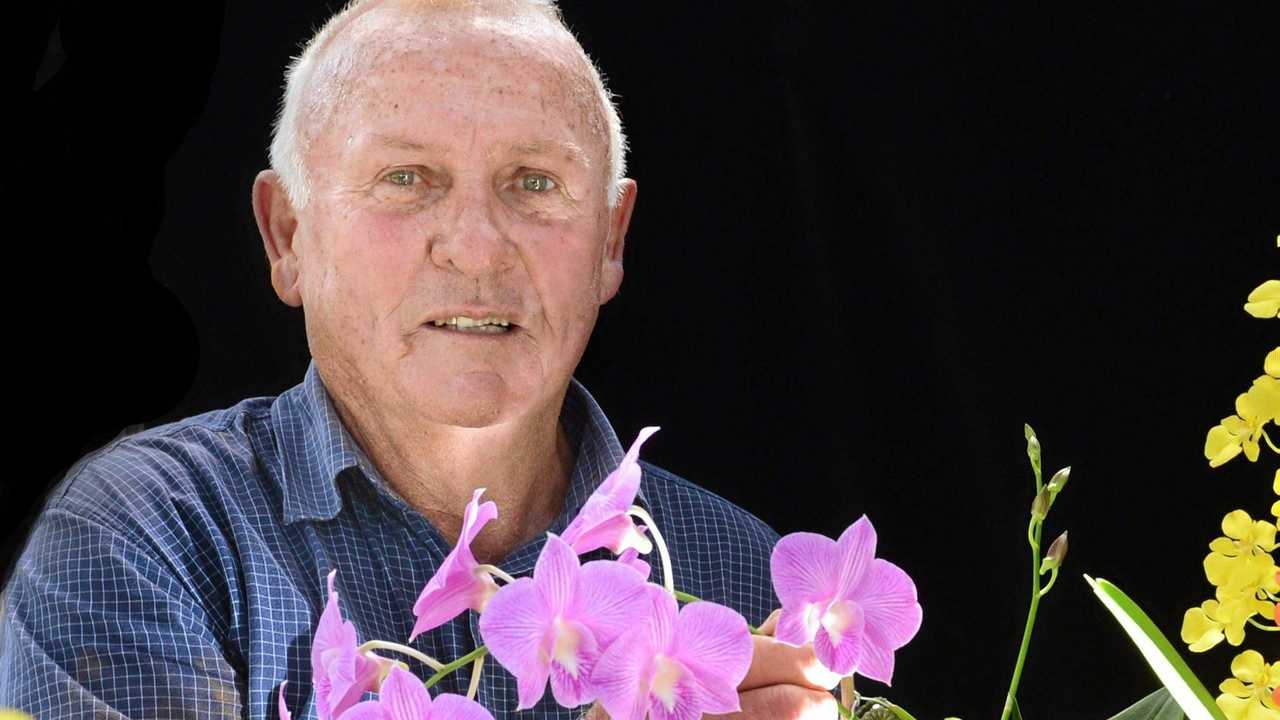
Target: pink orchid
[
  {"x": 403, "y": 697},
  {"x": 676, "y": 665},
  {"x": 855, "y": 609},
  {"x": 459, "y": 583},
  {"x": 603, "y": 519},
  {"x": 340, "y": 672},
  {"x": 554, "y": 625}
]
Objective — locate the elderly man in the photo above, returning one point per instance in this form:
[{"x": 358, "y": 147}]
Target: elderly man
[{"x": 447, "y": 205}]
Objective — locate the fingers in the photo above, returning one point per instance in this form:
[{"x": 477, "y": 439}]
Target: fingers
[
  {"x": 775, "y": 663},
  {"x": 784, "y": 702}
]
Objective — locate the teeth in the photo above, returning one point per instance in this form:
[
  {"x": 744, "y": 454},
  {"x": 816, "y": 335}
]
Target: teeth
[{"x": 461, "y": 321}]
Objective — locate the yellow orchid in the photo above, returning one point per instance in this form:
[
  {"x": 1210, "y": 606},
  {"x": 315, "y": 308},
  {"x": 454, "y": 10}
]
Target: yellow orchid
[
  {"x": 1248, "y": 695},
  {"x": 1201, "y": 628},
  {"x": 1264, "y": 301},
  {"x": 1241, "y": 560},
  {"x": 1254, "y": 409},
  {"x": 1271, "y": 365}
]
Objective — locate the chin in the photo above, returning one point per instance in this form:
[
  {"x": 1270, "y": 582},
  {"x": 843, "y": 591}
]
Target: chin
[{"x": 471, "y": 400}]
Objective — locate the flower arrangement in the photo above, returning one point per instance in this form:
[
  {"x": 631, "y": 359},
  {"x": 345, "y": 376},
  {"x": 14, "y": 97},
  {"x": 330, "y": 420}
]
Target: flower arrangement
[{"x": 600, "y": 632}]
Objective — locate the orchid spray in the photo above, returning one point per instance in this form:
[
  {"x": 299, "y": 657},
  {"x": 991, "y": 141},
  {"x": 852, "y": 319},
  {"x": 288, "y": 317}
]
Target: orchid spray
[{"x": 600, "y": 632}]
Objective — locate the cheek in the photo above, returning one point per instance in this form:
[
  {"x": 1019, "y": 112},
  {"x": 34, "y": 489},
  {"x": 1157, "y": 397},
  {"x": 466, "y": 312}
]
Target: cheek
[{"x": 365, "y": 275}]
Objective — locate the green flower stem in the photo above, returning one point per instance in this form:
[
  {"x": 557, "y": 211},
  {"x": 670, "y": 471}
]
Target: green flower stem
[
  {"x": 667, "y": 580},
  {"x": 1033, "y": 533},
  {"x": 685, "y": 597},
  {"x": 895, "y": 709},
  {"x": 460, "y": 662},
  {"x": 1053, "y": 577},
  {"x": 845, "y": 713},
  {"x": 431, "y": 662},
  {"x": 1260, "y": 626}
]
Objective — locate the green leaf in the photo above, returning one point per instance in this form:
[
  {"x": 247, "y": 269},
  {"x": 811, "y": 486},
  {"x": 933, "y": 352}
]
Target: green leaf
[
  {"x": 1159, "y": 705},
  {"x": 1168, "y": 665}
]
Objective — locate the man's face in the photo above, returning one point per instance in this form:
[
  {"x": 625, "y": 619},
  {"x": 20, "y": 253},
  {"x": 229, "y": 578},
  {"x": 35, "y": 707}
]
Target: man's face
[{"x": 460, "y": 178}]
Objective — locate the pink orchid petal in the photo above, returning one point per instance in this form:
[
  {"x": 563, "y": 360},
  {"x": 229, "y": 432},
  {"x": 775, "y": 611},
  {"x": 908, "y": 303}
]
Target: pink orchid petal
[
  {"x": 720, "y": 700},
  {"x": 857, "y": 549},
  {"x": 403, "y": 696},
  {"x": 631, "y": 558},
  {"x": 339, "y": 674},
  {"x": 689, "y": 702},
  {"x": 284, "y": 709},
  {"x": 572, "y": 689},
  {"x": 456, "y": 707},
  {"x": 514, "y": 627},
  {"x": 477, "y": 515},
  {"x": 876, "y": 661},
  {"x": 713, "y": 642},
  {"x": 531, "y": 686},
  {"x": 619, "y": 675},
  {"x": 839, "y": 642},
  {"x": 662, "y": 613},
  {"x": 888, "y": 598},
  {"x": 455, "y": 588},
  {"x": 805, "y": 567},
  {"x": 618, "y": 532},
  {"x": 556, "y": 574},
  {"x": 610, "y": 597},
  {"x": 367, "y": 710},
  {"x": 798, "y": 624},
  {"x": 597, "y": 522}
]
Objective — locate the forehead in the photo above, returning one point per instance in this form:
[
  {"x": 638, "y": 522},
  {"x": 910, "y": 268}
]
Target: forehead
[{"x": 414, "y": 75}]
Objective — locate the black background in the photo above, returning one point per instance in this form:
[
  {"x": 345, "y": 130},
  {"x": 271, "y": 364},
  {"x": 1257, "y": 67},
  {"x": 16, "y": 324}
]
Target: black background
[{"x": 870, "y": 242}]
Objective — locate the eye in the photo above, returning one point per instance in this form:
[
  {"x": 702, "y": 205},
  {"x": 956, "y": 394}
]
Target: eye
[
  {"x": 537, "y": 183},
  {"x": 404, "y": 178}
]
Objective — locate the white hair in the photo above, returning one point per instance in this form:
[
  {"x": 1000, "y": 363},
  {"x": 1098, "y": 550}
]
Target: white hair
[{"x": 288, "y": 145}]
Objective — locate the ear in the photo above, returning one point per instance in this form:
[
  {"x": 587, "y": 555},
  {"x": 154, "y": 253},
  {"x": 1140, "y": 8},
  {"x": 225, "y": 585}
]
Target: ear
[
  {"x": 278, "y": 223},
  {"x": 619, "y": 220}
]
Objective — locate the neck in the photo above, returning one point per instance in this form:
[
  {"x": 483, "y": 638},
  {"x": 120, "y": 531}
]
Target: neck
[{"x": 523, "y": 464}]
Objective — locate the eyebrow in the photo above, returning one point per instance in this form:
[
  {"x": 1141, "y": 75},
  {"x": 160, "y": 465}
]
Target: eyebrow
[{"x": 400, "y": 143}]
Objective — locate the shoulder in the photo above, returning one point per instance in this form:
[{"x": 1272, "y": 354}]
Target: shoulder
[
  {"x": 144, "y": 481},
  {"x": 720, "y": 551}
]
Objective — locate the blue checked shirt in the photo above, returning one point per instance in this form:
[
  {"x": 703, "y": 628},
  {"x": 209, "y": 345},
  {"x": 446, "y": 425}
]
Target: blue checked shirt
[{"x": 179, "y": 572}]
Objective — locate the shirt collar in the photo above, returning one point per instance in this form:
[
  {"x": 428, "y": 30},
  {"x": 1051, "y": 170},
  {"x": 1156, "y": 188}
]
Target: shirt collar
[{"x": 316, "y": 449}]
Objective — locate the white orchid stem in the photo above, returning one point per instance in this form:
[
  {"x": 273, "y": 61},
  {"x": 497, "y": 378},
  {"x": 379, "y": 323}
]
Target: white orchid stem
[
  {"x": 431, "y": 662},
  {"x": 475, "y": 678},
  {"x": 497, "y": 572},
  {"x": 668, "y": 581}
]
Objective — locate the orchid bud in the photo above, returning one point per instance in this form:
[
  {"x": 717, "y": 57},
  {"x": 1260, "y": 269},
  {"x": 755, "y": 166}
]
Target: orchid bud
[
  {"x": 1040, "y": 506},
  {"x": 1033, "y": 449},
  {"x": 1056, "y": 554},
  {"x": 1059, "y": 480}
]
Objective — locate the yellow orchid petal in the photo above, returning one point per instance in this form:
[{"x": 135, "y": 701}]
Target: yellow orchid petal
[
  {"x": 1224, "y": 546},
  {"x": 1264, "y": 301},
  {"x": 1220, "y": 446},
  {"x": 1232, "y": 686},
  {"x": 1233, "y": 707},
  {"x": 1237, "y": 525},
  {"x": 1275, "y": 486},
  {"x": 1248, "y": 666},
  {"x": 1271, "y": 365},
  {"x": 1199, "y": 631}
]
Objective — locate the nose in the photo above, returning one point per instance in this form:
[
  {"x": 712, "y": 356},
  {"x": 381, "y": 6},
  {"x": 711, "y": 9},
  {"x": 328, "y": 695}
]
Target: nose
[{"x": 472, "y": 243}]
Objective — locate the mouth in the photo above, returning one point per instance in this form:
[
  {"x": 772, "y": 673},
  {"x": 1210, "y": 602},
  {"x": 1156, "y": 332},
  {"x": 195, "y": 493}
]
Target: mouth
[{"x": 463, "y": 325}]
